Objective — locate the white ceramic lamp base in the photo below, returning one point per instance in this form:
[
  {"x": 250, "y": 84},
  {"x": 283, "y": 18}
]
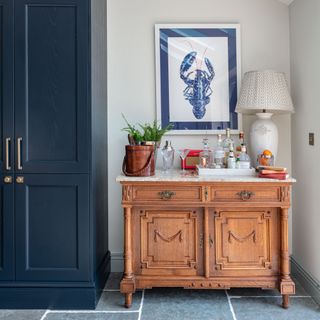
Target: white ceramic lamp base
[{"x": 263, "y": 135}]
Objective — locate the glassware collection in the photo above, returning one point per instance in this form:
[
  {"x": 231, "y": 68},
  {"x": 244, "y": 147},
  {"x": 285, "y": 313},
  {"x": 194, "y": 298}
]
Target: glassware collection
[{"x": 225, "y": 155}]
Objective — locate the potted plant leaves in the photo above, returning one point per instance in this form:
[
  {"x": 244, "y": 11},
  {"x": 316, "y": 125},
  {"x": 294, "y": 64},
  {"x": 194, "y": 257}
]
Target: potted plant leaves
[{"x": 140, "y": 154}]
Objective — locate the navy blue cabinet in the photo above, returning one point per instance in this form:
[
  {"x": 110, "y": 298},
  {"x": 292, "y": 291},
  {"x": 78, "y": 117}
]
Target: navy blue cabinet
[
  {"x": 7, "y": 271},
  {"x": 51, "y": 85},
  {"x": 53, "y": 160},
  {"x": 53, "y": 235},
  {"x": 6, "y": 85}
]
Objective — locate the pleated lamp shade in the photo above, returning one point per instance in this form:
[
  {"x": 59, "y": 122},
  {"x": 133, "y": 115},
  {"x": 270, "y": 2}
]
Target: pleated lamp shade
[{"x": 264, "y": 90}]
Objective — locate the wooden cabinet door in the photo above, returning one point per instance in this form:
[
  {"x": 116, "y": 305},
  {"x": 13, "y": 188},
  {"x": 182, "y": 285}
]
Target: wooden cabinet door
[
  {"x": 6, "y": 84},
  {"x": 169, "y": 241},
  {"x": 6, "y": 231},
  {"x": 52, "y": 228},
  {"x": 51, "y": 85},
  {"x": 246, "y": 242}
]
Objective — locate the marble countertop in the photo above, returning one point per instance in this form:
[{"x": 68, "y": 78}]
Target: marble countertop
[{"x": 175, "y": 176}]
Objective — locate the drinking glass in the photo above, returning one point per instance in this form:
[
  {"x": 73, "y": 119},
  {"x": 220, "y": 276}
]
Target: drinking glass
[{"x": 183, "y": 154}]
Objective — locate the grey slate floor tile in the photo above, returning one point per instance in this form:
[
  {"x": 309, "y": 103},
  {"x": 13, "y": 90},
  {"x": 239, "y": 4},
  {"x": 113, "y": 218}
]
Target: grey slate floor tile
[
  {"x": 21, "y": 314},
  {"x": 270, "y": 309},
  {"x": 114, "y": 301},
  {"x": 114, "y": 280},
  {"x": 92, "y": 316},
  {"x": 180, "y": 304}
]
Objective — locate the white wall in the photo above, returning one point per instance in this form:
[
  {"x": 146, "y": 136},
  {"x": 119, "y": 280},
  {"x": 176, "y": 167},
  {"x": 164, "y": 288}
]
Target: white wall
[
  {"x": 305, "y": 68},
  {"x": 131, "y": 67}
]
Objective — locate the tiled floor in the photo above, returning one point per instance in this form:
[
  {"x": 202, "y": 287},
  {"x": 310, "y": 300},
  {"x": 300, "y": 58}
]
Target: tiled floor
[{"x": 179, "y": 304}]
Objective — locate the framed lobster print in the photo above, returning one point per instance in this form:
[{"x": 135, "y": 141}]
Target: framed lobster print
[{"x": 198, "y": 77}]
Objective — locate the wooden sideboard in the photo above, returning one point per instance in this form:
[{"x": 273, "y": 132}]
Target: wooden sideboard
[{"x": 205, "y": 233}]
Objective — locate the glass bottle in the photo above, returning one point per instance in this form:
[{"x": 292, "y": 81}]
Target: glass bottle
[
  {"x": 244, "y": 159},
  {"x": 205, "y": 155},
  {"x": 227, "y": 143},
  {"x": 219, "y": 154},
  {"x": 231, "y": 159},
  {"x": 241, "y": 143}
]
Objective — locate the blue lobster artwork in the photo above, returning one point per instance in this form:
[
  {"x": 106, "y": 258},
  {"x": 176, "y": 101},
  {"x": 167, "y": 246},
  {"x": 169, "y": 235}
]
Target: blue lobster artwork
[{"x": 198, "y": 90}]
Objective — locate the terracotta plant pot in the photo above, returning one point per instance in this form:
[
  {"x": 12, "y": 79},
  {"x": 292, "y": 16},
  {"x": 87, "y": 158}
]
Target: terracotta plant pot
[{"x": 139, "y": 161}]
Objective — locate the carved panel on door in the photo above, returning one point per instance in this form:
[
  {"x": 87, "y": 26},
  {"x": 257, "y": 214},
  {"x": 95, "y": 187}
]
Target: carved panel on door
[
  {"x": 169, "y": 239},
  {"x": 243, "y": 240}
]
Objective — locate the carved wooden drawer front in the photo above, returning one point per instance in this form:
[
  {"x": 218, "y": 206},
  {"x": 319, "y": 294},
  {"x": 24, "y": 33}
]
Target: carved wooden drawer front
[
  {"x": 169, "y": 241},
  {"x": 154, "y": 193},
  {"x": 245, "y": 194}
]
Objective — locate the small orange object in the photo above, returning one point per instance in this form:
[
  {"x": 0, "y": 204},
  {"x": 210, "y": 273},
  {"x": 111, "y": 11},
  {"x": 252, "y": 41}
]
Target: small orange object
[
  {"x": 264, "y": 161},
  {"x": 267, "y": 153},
  {"x": 266, "y": 158}
]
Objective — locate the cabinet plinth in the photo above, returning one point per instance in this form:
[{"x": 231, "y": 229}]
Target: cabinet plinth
[{"x": 218, "y": 241}]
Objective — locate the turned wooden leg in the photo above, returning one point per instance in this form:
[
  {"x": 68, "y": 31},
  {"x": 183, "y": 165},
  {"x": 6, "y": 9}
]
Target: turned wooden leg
[
  {"x": 285, "y": 266},
  {"x": 285, "y": 301},
  {"x": 128, "y": 300},
  {"x": 287, "y": 286},
  {"x": 127, "y": 285},
  {"x": 128, "y": 273}
]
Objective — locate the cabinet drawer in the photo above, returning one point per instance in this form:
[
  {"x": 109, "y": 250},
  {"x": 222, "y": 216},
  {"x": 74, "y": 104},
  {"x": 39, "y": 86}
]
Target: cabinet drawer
[
  {"x": 245, "y": 194},
  {"x": 172, "y": 194}
]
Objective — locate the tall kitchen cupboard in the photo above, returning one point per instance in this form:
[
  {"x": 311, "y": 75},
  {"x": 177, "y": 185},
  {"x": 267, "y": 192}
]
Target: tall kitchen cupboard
[{"x": 53, "y": 157}]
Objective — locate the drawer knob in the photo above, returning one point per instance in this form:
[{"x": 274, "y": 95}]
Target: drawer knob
[
  {"x": 166, "y": 195},
  {"x": 20, "y": 180},
  {"x": 7, "y": 179},
  {"x": 245, "y": 195}
]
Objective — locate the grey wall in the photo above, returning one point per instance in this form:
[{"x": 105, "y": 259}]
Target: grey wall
[
  {"x": 305, "y": 68},
  {"x": 131, "y": 70}
]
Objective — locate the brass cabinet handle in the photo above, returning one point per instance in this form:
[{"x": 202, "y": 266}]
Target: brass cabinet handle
[
  {"x": 206, "y": 193},
  {"x": 201, "y": 241},
  {"x": 7, "y": 179},
  {"x": 166, "y": 195},
  {"x": 245, "y": 195},
  {"x": 210, "y": 241},
  {"x": 19, "y": 145},
  {"x": 20, "y": 180},
  {"x": 8, "y": 141}
]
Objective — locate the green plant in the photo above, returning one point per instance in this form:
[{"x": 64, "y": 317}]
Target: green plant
[
  {"x": 154, "y": 132},
  {"x": 150, "y": 132},
  {"x": 133, "y": 133}
]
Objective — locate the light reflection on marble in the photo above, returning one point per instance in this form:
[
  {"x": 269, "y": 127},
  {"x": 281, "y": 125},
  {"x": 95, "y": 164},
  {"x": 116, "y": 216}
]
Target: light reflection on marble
[{"x": 175, "y": 176}]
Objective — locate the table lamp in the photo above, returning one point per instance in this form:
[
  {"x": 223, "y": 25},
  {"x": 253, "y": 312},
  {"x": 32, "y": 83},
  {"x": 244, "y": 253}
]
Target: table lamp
[{"x": 264, "y": 93}]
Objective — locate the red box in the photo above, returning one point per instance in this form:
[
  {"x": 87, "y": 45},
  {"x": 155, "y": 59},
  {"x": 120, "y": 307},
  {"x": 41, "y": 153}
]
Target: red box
[{"x": 191, "y": 160}]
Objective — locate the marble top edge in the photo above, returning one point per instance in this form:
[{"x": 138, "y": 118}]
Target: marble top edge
[{"x": 175, "y": 176}]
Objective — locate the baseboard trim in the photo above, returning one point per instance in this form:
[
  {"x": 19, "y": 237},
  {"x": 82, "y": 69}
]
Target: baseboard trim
[
  {"x": 117, "y": 262},
  {"x": 310, "y": 284},
  {"x": 48, "y": 298},
  {"x": 102, "y": 274}
]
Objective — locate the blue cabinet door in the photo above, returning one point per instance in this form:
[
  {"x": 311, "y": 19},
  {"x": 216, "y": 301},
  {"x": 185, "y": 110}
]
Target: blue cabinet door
[
  {"x": 6, "y": 230},
  {"x": 51, "y": 85},
  {"x": 53, "y": 228},
  {"x": 6, "y": 86}
]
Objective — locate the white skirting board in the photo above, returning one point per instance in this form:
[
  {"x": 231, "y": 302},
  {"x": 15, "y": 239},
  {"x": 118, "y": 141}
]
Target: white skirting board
[{"x": 310, "y": 284}]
